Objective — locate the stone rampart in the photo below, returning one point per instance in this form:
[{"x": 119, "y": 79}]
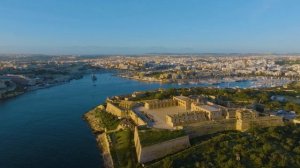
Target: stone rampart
[
  {"x": 136, "y": 119},
  {"x": 155, "y": 104},
  {"x": 157, "y": 151},
  {"x": 115, "y": 110},
  {"x": 262, "y": 121},
  {"x": 209, "y": 127}
]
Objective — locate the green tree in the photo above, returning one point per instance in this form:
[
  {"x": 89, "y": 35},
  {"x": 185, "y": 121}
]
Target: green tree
[
  {"x": 259, "y": 108},
  {"x": 263, "y": 97}
]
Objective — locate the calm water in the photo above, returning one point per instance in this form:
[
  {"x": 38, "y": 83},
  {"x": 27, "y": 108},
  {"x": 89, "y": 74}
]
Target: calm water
[{"x": 44, "y": 128}]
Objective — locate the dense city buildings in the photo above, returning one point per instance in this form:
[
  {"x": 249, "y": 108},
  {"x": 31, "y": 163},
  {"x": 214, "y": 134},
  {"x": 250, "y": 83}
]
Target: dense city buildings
[
  {"x": 31, "y": 72},
  {"x": 19, "y": 74},
  {"x": 209, "y": 69}
]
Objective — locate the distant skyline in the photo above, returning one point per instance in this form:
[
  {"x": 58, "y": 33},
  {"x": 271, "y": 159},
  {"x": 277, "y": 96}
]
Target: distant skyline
[{"x": 149, "y": 26}]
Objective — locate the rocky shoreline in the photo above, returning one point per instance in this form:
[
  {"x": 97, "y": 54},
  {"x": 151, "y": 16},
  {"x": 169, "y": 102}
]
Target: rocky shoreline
[
  {"x": 101, "y": 138},
  {"x": 33, "y": 88}
]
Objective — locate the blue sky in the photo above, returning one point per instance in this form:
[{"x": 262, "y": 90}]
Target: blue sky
[{"x": 142, "y": 26}]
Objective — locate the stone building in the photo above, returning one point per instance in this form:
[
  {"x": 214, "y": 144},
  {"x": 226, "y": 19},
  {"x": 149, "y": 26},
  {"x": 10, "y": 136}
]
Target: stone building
[
  {"x": 244, "y": 114},
  {"x": 230, "y": 113},
  {"x": 213, "y": 112},
  {"x": 127, "y": 104},
  {"x": 246, "y": 119},
  {"x": 183, "y": 101},
  {"x": 155, "y": 104},
  {"x": 185, "y": 118}
]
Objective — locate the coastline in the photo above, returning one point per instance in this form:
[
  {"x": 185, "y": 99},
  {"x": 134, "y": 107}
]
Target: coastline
[
  {"x": 34, "y": 88},
  {"x": 67, "y": 79},
  {"x": 101, "y": 138},
  {"x": 49, "y": 85},
  {"x": 256, "y": 82}
]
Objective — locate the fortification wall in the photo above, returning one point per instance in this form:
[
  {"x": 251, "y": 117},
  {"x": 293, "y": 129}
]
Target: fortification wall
[
  {"x": 137, "y": 143},
  {"x": 185, "y": 118},
  {"x": 107, "y": 159},
  {"x": 155, "y": 104},
  {"x": 126, "y": 104},
  {"x": 136, "y": 119},
  {"x": 209, "y": 127},
  {"x": 156, "y": 151},
  {"x": 266, "y": 121},
  {"x": 113, "y": 109}
]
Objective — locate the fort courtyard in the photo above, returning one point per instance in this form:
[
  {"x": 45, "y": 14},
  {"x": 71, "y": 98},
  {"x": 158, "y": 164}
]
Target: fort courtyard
[{"x": 159, "y": 115}]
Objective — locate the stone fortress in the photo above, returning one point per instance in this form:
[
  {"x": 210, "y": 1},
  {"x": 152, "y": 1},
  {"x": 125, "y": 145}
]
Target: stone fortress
[
  {"x": 194, "y": 114},
  {"x": 183, "y": 111}
]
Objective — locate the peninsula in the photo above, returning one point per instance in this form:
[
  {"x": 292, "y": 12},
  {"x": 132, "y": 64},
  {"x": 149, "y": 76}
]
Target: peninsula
[{"x": 195, "y": 126}]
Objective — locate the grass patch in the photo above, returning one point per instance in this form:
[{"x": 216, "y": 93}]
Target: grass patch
[
  {"x": 122, "y": 149},
  {"x": 260, "y": 147},
  {"x": 199, "y": 139},
  {"x": 153, "y": 136},
  {"x": 99, "y": 120},
  {"x": 107, "y": 120}
]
